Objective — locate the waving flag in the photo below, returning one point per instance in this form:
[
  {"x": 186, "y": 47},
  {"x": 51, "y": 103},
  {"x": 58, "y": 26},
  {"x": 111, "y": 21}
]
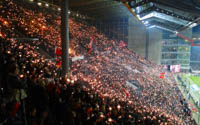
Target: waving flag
[
  {"x": 127, "y": 94},
  {"x": 58, "y": 51},
  {"x": 90, "y": 44},
  {"x": 162, "y": 75}
]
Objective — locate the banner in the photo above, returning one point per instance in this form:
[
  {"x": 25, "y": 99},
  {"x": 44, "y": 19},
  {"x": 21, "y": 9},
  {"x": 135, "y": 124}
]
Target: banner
[
  {"x": 77, "y": 58},
  {"x": 175, "y": 68}
]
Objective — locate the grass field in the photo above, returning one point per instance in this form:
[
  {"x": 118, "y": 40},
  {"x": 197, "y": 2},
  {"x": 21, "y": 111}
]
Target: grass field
[
  {"x": 190, "y": 80},
  {"x": 195, "y": 79}
]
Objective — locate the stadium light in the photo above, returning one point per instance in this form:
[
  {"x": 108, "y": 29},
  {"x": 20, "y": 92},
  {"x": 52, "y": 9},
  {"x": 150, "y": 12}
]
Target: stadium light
[
  {"x": 146, "y": 22},
  {"x": 193, "y": 25},
  {"x": 151, "y": 26},
  {"x": 194, "y": 38}
]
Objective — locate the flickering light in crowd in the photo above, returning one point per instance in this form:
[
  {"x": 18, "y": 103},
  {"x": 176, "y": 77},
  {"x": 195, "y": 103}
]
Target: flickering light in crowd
[
  {"x": 59, "y": 9},
  {"x": 43, "y": 27},
  {"x": 118, "y": 106},
  {"x": 20, "y": 47},
  {"x": 39, "y": 4},
  {"x": 104, "y": 73},
  {"x": 5, "y": 23},
  {"x": 31, "y": 0},
  {"x": 69, "y": 12},
  {"x": 8, "y": 52},
  {"x": 47, "y": 5},
  {"x": 1, "y": 35},
  {"x": 110, "y": 120},
  {"x": 70, "y": 50},
  {"x": 102, "y": 116},
  {"x": 21, "y": 76}
]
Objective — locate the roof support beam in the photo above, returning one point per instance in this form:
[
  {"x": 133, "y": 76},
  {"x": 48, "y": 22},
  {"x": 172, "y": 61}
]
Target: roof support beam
[
  {"x": 164, "y": 17},
  {"x": 147, "y": 10},
  {"x": 99, "y": 5},
  {"x": 183, "y": 7},
  {"x": 139, "y": 3},
  {"x": 160, "y": 10},
  {"x": 160, "y": 27}
]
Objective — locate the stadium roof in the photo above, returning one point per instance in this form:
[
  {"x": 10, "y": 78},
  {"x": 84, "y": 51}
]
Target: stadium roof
[{"x": 173, "y": 15}]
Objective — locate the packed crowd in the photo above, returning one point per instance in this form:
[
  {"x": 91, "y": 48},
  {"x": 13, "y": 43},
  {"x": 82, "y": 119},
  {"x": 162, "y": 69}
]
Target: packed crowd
[{"x": 98, "y": 90}]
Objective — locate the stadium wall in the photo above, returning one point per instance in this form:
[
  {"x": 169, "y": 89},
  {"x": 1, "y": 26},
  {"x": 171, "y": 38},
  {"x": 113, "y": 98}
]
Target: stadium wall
[
  {"x": 136, "y": 36},
  {"x": 137, "y": 40},
  {"x": 155, "y": 45}
]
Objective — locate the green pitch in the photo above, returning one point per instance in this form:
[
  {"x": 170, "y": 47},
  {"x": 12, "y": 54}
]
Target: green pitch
[{"x": 195, "y": 79}]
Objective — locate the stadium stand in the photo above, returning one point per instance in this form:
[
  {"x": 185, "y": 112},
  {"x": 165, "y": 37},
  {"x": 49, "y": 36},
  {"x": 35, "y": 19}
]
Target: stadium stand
[{"x": 100, "y": 88}]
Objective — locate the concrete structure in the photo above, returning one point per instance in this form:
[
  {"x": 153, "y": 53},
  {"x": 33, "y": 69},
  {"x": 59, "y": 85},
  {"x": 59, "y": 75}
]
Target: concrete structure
[
  {"x": 136, "y": 36},
  {"x": 176, "y": 50},
  {"x": 137, "y": 40},
  {"x": 155, "y": 45}
]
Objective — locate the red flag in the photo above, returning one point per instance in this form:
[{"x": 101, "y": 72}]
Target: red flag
[
  {"x": 2, "y": 35},
  {"x": 127, "y": 94},
  {"x": 15, "y": 109},
  {"x": 90, "y": 44},
  {"x": 122, "y": 44},
  {"x": 162, "y": 75},
  {"x": 58, "y": 91},
  {"x": 58, "y": 64},
  {"x": 58, "y": 51}
]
